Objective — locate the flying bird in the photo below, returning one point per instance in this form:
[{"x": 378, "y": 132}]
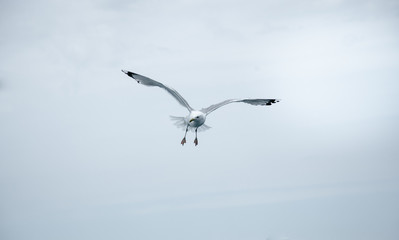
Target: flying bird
[{"x": 195, "y": 120}]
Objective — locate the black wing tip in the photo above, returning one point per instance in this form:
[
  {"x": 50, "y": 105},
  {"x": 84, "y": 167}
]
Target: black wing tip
[
  {"x": 130, "y": 74},
  {"x": 272, "y": 101}
]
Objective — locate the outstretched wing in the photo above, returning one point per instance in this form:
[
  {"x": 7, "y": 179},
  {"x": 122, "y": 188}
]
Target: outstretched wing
[
  {"x": 149, "y": 82},
  {"x": 256, "y": 102}
]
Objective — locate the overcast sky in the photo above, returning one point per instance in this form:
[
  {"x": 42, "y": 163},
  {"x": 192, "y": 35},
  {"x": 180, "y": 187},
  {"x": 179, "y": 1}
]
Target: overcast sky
[{"x": 87, "y": 153}]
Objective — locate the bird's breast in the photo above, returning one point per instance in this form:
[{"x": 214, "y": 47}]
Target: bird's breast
[{"x": 196, "y": 123}]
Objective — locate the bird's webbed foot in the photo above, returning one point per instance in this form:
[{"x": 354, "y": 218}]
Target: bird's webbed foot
[
  {"x": 183, "y": 141},
  {"x": 196, "y": 141}
]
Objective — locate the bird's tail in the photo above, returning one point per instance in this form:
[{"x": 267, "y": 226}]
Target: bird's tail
[{"x": 181, "y": 122}]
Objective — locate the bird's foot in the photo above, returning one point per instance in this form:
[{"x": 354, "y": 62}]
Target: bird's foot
[
  {"x": 183, "y": 141},
  {"x": 196, "y": 141}
]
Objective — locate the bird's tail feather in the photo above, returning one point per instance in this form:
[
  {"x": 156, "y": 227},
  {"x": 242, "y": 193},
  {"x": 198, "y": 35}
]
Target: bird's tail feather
[
  {"x": 181, "y": 122},
  {"x": 203, "y": 128}
]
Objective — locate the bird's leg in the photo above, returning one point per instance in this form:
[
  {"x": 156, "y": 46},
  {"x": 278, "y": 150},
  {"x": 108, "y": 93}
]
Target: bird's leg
[
  {"x": 184, "y": 139},
  {"x": 196, "y": 139}
]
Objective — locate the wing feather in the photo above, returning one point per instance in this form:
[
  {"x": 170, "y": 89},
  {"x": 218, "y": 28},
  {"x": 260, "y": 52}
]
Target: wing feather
[
  {"x": 151, "y": 83},
  {"x": 252, "y": 101}
]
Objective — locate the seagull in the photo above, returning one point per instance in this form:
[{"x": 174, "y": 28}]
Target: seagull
[{"x": 196, "y": 118}]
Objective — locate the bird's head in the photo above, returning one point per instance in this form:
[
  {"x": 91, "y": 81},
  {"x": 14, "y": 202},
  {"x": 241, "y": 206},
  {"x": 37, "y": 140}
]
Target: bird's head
[{"x": 196, "y": 118}]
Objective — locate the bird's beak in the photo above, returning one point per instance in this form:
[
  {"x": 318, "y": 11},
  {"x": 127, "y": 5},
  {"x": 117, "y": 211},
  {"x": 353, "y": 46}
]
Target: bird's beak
[{"x": 191, "y": 120}]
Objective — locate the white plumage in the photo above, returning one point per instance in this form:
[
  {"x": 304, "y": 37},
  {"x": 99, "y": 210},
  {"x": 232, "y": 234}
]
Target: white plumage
[{"x": 196, "y": 119}]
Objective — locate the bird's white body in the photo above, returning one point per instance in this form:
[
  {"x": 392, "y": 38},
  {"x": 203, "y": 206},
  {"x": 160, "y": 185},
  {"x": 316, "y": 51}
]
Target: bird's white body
[{"x": 196, "y": 119}]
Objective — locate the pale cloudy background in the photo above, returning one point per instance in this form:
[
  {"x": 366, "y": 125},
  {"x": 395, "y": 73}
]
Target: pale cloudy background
[{"x": 86, "y": 153}]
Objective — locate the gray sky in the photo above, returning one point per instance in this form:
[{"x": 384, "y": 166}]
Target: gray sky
[{"x": 86, "y": 153}]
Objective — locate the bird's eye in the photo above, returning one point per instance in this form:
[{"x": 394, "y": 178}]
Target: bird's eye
[{"x": 197, "y": 117}]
